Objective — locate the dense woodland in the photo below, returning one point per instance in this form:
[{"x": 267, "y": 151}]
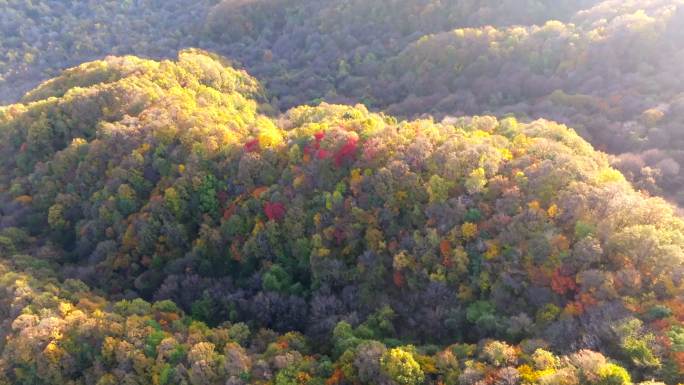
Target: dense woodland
[
  {"x": 164, "y": 229},
  {"x": 355, "y": 192},
  {"x": 609, "y": 69},
  {"x": 40, "y": 38}
]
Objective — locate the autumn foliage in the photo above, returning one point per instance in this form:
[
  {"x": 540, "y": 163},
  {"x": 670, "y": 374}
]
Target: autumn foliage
[{"x": 160, "y": 226}]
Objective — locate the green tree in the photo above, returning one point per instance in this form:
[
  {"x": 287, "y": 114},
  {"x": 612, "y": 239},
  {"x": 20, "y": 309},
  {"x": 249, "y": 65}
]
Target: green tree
[{"x": 207, "y": 195}]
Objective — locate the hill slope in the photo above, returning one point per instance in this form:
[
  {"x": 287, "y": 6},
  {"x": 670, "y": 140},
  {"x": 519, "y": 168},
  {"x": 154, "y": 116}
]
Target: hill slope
[
  {"x": 382, "y": 250},
  {"x": 609, "y": 68},
  {"x": 43, "y": 37}
]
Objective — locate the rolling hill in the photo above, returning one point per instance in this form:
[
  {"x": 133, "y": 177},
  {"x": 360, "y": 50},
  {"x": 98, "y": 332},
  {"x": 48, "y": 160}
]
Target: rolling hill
[{"x": 162, "y": 223}]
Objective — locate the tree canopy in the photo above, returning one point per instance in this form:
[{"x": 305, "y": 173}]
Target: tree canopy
[{"x": 162, "y": 223}]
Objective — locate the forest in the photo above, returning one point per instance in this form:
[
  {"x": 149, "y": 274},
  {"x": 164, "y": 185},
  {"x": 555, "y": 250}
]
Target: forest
[
  {"x": 319, "y": 192},
  {"x": 609, "y": 69}
]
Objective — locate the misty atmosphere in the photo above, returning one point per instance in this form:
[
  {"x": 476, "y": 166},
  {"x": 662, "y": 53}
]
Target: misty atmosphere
[{"x": 341, "y": 192}]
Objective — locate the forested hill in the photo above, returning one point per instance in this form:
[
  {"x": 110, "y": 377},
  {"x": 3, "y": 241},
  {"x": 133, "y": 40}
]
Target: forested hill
[
  {"x": 161, "y": 224},
  {"x": 609, "y": 69},
  {"x": 43, "y": 37},
  {"x": 306, "y": 50},
  {"x": 40, "y": 38}
]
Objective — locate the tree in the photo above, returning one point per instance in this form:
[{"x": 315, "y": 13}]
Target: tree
[
  {"x": 126, "y": 200},
  {"x": 203, "y": 360},
  {"x": 438, "y": 189},
  {"x": 611, "y": 374},
  {"x": 367, "y": 362},
  {"x": 636, "y": 344},
  {"x": 476, "y": 181},
  {"x": 401, "y": 366},
  {"x": 208, "y": 199},
  {"x": 499, "y": 353}
]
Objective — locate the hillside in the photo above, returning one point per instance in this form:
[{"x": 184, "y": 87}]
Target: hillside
[
  {"x": 40, "y": 38},
  {"x": 311, "y": 49},
  {"x": 163, "y": 224},
  {"x": 608, "y": 68},
  {"x": 43, "y": 37}
]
